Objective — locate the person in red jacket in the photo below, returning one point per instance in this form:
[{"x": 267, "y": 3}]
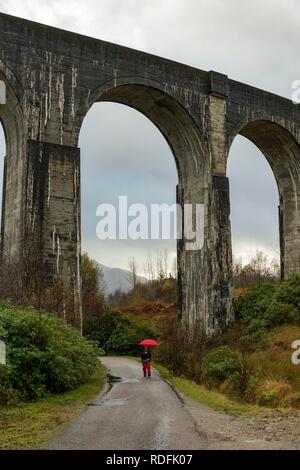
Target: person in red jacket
[{"x": 146, "y": 361}]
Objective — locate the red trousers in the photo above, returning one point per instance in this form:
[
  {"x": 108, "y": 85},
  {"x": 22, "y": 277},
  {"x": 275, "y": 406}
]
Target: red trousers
[{"x": 147, "y": 368}]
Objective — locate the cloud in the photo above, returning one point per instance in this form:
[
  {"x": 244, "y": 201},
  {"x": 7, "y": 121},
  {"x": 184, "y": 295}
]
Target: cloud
[
  {"x": 255, "y": 42},
  {"x": 123, "y": 153},
  {"x": 254, "y": 201}
]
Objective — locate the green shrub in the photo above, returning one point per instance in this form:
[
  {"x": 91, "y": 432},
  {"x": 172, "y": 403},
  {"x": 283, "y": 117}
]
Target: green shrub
[
  {"x": 254, "y": 335},
  {"x": 242, "y": 379},
  {"x": 265, "y": 307},
  {"x": 219, "y": 365},
  {"x": 279, "y": 312},
  {"x": 289, "y": 292},
  {"x": 7, "y": 393},
  {"x": 269, "y": 398},
  {"x": 254, "y": 304},
  {"x": 118, "y": 333},
  {"x": 44, "y": 354},
  {"x": 250, "y": 392}
]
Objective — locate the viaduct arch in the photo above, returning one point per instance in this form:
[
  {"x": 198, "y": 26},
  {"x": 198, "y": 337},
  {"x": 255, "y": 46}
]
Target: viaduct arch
[{"x": 52, "y": 79}]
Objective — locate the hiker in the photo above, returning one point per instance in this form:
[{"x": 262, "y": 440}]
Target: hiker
[{"x": 146, "y": 361}]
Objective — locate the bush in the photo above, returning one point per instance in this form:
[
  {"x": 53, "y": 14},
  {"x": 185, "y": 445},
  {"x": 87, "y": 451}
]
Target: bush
[
  {"x": 44, "y": 354},
  {"x": 242, "y": 380},
  {"x": 272, "y": 392},
  {"x": 182, "y": 348},
  {"x": 6, "y": 391},
  {"x": 254, "y": 335},
  {"x": 266, "y": 307},
  {"x": 219, "y": 365},
  {"x": 278, "y": 312},
  {"x": 118, "y": 333},
  {"x": 254, "y": 304},
  {"x": 268, "y": 398},
  {"x": 289, "y": 292}
]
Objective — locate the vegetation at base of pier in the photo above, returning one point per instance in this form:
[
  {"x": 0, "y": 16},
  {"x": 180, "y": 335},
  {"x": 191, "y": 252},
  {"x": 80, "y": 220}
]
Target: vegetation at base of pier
[
  {"x": 128, "y": 317},
  {"x": 44, "y": 355},
  {"x": 250, "y": 364},
  {"x": 51, "y": 371}
]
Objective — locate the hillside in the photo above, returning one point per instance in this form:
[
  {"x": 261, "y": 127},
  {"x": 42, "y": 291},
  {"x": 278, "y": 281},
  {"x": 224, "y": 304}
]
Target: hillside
[{"x": 117, "y": 279}]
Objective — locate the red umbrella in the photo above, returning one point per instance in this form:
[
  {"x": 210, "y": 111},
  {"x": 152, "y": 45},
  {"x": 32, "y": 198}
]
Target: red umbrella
[{"x": 149, "y": 342}]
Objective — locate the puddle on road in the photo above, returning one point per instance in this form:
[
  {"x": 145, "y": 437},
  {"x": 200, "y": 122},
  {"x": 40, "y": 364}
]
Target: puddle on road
[
  {"x": 113, "y": 378},
  {"x": 111, "y": 381},
  {"x": 109, "y": 402}
]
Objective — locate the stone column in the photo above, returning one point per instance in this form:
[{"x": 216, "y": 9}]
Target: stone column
[
  {"x": 205, "y": 275},
  {"x": 53, "y": 218},
  {"x": 219, "y": 252},
  {"x": 3, "y": 221},
  {"x": 281, "y": 238},
  {"x": 289, "y": 225},
  {"x": 221, "y": 281}
]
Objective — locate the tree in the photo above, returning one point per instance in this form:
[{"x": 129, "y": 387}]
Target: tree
[
  {"x": 149, "y": 271},
  {"x": 133, "y": 274},
  {"x": 93, "y": 287},
  {"x": 259, "y": 269},
  {"x": 162, "y": 265}
]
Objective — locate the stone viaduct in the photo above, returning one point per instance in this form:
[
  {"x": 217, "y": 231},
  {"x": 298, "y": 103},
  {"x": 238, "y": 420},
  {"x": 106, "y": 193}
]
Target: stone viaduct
[{"x": 53, "y": 77}]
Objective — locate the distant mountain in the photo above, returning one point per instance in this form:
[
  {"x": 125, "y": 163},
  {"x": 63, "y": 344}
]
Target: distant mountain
[{"x": 117, "y": 278}]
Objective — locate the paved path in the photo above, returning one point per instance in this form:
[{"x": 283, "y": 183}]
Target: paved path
[{"x": 136, "y": 413}]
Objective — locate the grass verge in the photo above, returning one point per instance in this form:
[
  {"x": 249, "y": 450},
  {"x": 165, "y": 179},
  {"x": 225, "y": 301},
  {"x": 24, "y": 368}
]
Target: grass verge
[
  {"x": 30, "y": 425},
  {"x": 199, "y": 393},
  {"x": 215, "y": 400}
]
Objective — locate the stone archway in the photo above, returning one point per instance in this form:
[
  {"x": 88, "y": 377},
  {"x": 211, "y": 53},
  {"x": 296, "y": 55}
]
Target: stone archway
[
  {"x": 191, "y": 158},
  {"x": 283, "y": 155},
  {"x": 13, "y": 209},
  {"x": 55, "y": 76}
]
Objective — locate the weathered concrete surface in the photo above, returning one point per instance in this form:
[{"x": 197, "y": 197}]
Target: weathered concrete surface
[{"x": 53, "y": 77}]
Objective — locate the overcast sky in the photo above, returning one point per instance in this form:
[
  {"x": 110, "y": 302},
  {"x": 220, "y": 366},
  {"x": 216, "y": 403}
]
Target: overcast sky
[{"x": 256, "y": 42}]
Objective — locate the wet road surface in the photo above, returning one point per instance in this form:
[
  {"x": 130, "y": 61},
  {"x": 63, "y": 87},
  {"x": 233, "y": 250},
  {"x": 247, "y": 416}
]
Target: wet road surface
[{"x": 133, "y": 413}]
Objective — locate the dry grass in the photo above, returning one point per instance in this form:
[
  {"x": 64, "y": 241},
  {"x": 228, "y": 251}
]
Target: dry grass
[
  {"x": 274, "y": 363},
  {"x": 240, "y": 292},
  {"x": 145, "y": 310},
  {"x": 275, "y": 380}
]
